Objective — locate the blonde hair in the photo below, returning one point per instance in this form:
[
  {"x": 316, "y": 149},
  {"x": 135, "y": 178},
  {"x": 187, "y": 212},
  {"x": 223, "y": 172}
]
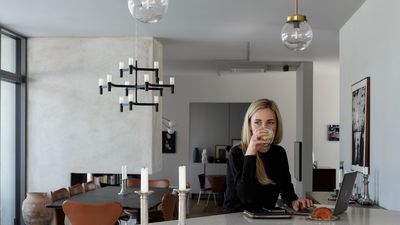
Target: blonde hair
[{"x": 246, "y": 133}]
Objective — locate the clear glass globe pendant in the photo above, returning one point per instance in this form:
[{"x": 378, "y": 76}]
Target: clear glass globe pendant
[
  {"x": 296, "y": 34},
  {"x": 148, "y": 11}
]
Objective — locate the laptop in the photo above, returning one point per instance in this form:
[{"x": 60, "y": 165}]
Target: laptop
[{"x": 342, "y": 202}]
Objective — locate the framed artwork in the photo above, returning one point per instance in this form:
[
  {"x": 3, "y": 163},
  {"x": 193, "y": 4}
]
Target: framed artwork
[
  {"x": 236, "y": 141},
  {"x": 220, "y": 152},
  {"x": 333, "y": 132},
  {"x": 360, "y": 93},
  {"x": 168, "y": 142}
]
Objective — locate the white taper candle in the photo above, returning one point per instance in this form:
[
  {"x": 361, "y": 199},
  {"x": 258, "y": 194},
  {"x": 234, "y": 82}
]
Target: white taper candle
[
  {"x": 144, "y": 180},
  {"x": 182, "y": 177}
]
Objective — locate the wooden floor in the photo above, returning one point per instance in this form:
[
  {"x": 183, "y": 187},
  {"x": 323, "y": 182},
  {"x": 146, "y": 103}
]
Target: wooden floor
[{"x": 201, "y": 209}]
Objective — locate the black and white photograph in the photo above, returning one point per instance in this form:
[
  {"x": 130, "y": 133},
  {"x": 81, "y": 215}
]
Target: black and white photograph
[
  {"x": 360, "y": 125},
  {"x": 333, "y": 132},
  {"x": 168, "y": 142}
]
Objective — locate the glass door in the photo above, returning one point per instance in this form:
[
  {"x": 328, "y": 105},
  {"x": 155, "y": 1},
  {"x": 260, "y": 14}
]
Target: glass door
[
  {"x": 7, "y": 154},
  {"x": 12, "y": 126}
]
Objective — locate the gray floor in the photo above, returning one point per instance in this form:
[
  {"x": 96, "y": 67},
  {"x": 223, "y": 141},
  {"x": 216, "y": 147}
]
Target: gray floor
[{"x": 201, "y": 209}]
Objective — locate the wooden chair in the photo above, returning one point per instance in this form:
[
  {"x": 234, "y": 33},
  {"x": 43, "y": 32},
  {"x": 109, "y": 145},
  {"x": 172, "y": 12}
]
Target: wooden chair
[
  {"x": 89, "y": 186},
  {"x": 153, "y": 183},
  {"x": 217, "y": 183},
  {"x": 203, "y": 189},
  {"x": 56, "y": 195},
  {"x": 133, "y": 182},
  {"x": 169, "y": 206},
  {"x": 92, "y": 214},
  {"x": 76, "y": 189},
  {"x": 159, "y": 183}
]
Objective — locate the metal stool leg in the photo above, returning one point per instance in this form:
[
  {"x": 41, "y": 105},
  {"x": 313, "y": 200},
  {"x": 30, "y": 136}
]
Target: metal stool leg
[
  {"x": 208, "y": 198},
  {"x": 215, "y": 200},
  {"x": 198, "y": 199}
]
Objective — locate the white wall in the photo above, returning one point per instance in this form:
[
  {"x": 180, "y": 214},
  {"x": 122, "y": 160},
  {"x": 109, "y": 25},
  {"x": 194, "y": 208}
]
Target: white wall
[
  {"x": 325, "y": 108},
  {"x": 71, "y": 127},
  {"x": 369, "y": 46},
  {"x": 278, "y": 86},
  {"x": 326, "y": 111}
]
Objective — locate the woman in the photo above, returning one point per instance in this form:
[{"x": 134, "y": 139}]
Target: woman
[{"x": 258, "y": 170}]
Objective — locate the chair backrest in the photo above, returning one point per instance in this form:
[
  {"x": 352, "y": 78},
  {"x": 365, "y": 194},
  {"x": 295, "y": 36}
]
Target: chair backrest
[
  {"x": 76, "y": 189},
  {"x": 59, "y": 194},
  {"x": 92, "y": 214},
  {"x": 56, "y": 195},
  {"x": 133, "y": 182},
  {"x": 202, "y": 180},
  {"x": 89, "y": 186},
  {"x": 217, "y": 182},
  {"x": 169, "y": 207},
  {"x": 153, "y": 183},
  {"x": 159, "y": 183}
]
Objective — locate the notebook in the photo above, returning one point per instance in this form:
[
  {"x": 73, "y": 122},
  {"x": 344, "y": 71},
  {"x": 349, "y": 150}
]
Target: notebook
[{"x": 342, "y": 202}]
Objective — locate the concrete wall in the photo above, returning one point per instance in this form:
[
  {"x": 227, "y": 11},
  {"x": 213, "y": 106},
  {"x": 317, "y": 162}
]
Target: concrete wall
[
  {"x": 369, "y": 47},
  {"x": 71, "y": 127}
]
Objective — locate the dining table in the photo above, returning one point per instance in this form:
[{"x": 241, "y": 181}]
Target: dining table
[{"x": 130, "y": 200}]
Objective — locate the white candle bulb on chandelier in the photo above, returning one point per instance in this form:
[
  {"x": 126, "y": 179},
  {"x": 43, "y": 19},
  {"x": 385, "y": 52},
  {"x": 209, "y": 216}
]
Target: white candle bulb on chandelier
[
  {"x": 130, "y": 61},
  {"x": 156, "y": 99},
  {"x": 160, "y": 82},
  {"x": 121, "y": 100},
  {"x": 109, "y": 78},
  {"x": 126, "y": 82},
  {"x": 101, "y": 82},
  {"x": 130, "y": 97},
  {"x": 121, "y": 65},
  {"x": 172, "y": 80},
  {"x": 156, "y": 65},
  {"x": 146, "y": 78}
]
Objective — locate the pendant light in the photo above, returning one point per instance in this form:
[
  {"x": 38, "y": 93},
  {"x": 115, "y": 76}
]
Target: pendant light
[
  {"x": 148, "y": 11},
  {"x": 296, "y": 34}
]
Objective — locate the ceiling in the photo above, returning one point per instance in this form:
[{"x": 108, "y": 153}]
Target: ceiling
[{"x": 191, "y": 29}]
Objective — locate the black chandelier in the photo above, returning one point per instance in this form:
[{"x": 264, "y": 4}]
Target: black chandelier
[{"x": 132, "y": 99}]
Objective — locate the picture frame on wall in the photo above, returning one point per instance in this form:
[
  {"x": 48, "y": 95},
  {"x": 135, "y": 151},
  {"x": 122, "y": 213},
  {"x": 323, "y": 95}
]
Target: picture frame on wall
[
  {"x": 168, "y": 142},
  {"x": 360, "y": 92},
  {"x": 236, "y": 141},
  {"x": 333, "y": 132},
  {"x": 220, "y": 153}
]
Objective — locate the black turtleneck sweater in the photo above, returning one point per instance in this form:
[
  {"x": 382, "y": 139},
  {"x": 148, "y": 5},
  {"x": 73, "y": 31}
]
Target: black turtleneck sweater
[{"x": 243, "y": 189}]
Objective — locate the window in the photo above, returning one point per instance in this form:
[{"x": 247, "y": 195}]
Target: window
[{"x": 12, "y": 129}]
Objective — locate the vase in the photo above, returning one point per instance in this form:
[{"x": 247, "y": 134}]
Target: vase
[{"x": 34, "y": 211}]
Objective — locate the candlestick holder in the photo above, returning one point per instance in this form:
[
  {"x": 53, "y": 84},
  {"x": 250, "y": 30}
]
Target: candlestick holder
[
  {"x": 182, "y": 205},
  {"x": 365, "y": 200},
  {"x": 144, "y": 206},
  {"x": 124, "y": 187}
]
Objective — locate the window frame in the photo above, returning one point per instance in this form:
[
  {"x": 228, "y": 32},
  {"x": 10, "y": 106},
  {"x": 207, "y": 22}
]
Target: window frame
[{"x": 19, "y": 78}]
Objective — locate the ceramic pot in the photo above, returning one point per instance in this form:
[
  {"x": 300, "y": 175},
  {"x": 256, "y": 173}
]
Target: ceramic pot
[{"x": 34, "y": 209}]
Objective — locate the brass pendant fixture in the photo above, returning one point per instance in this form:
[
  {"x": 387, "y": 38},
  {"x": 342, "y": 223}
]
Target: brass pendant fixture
[{"x": 296, "y": 34}]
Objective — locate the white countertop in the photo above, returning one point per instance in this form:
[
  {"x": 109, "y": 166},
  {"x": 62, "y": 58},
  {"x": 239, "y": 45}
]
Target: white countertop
[{"x": 353, "y": 216}]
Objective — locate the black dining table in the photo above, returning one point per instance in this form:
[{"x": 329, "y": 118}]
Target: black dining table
[{"x": 110, "y": 194}]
